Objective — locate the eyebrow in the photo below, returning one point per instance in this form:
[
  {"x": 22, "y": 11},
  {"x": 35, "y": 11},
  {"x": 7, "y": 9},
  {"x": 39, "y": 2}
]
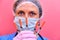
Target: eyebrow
[
  {"x": 32, "y": 11},
  {"x": 20, "y": 11}
]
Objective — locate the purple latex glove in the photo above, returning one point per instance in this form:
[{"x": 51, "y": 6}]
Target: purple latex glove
[{"x": 25, "y": 35}]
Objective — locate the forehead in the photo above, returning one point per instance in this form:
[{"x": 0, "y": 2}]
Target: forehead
[{"x": 27, "y": 6}]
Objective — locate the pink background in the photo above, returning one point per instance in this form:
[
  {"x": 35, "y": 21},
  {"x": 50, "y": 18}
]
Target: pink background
[{"x": 51, "y": 11}]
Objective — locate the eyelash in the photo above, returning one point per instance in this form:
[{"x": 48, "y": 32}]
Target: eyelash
[
  {"x": 20, "y": 12},
  {"x": 33, "y": 13}
]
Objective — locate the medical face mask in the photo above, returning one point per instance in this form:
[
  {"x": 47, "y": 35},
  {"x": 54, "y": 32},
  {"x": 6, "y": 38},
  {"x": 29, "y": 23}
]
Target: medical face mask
[{"x": 31, "y": 23}]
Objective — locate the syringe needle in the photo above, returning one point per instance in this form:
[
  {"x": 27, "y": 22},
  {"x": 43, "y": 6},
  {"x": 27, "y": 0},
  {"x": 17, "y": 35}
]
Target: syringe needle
[
  {"x": 20, "y": 24},
  {"x": 26, "y": 24}
]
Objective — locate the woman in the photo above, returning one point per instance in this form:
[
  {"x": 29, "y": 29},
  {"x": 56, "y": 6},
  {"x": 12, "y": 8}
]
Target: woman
[{"x": 27, "y": 16}]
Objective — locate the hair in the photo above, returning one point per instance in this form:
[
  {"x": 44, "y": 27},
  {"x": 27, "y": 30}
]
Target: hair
[{"x": 33, "y": 1}]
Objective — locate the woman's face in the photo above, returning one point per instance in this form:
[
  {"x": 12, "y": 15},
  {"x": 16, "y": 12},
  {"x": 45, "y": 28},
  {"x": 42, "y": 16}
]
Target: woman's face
[{"x": 27, "y": 10}]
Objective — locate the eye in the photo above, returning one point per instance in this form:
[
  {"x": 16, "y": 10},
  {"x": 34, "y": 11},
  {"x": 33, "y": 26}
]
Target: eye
[
  {"x": 32, "y": 13},
  {"x": 21, "y": 13}
]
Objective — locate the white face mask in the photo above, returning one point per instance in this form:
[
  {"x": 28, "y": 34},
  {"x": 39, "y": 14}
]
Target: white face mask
[{"x": 31, "y": 23}]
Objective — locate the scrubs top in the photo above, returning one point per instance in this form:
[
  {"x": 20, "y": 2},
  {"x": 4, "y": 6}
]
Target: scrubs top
[{"x": 11, "y": 36}]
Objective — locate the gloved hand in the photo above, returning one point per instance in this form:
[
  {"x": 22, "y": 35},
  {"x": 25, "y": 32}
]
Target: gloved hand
[{"x": 25, "y": 35}]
